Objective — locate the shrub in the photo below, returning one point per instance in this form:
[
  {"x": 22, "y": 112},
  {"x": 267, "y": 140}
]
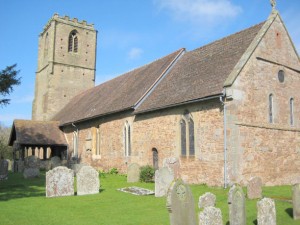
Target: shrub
[
  {"x": 113, "y": 171},
  {"x": 147, "y": 174}
]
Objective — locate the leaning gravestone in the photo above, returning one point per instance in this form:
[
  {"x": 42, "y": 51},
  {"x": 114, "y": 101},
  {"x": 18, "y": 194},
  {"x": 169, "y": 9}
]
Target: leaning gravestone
[
  {"x": 9, "y": 165},
  {"x": 55, "y": 162},
  {"x": 254, "y": 190},
  {"x": 206, "y": 200},
  {"x": 296, "y": 201},
  {"x": 237, "y": 209},
  {"x": 210, "y": 216},
  {"x": 266, "y": 212},
  {"x": 133, "y": 173},
  {"x": 172, "y": 164},
  {"x": 163, "y": 179},
  {"x": 87, "y": 181},
  {"x": 180, "y": 204},
  {"x": 3, "y": 169},
  {"x": 59, "y": 182}
]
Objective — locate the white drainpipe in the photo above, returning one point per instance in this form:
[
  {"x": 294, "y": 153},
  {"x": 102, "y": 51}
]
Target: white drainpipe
[{"x": 225, "y": 139}]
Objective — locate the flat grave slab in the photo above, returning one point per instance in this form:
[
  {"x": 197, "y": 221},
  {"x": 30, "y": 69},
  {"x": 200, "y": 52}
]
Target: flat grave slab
[{"x": 136, "y": 190}]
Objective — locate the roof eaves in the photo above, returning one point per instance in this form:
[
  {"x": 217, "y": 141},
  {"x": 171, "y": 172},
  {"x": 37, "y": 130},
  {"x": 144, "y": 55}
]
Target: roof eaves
[
  {"x": 248, "y": 53},
  {"x": 180, "y": 104}
]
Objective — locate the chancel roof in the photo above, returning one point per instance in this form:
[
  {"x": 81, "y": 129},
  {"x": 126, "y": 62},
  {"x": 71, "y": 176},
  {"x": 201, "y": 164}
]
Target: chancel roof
[{"x": 29, "y": 132}]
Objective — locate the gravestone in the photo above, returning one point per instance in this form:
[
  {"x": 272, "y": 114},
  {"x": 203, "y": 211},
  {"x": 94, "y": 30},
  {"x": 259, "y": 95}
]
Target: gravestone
[
  {"x": 31, "y": 173},
  {"x": 32, "y": 167},
  {"x": 266, "y": 212},
  {"x": 59, "y": 182},
  {"x": 45, "y": 165},
  {"x": 76, "y": 167},
  {"x": 3, "y": 169},
  {"x": 20, "y": 165},
  {"x": 180, "y": 204},
  {"x": 206, "y": 200},
  {"x": 163, "y": 179},
  {"x": 172, "y": 163},
  {"x": 210, "y": 216},
  {"x": 133, "y": 173},
  {"x": 296, "y": 201},
  {"x": 87, "y": 181},
  {"x": 55, "y": 162},
  {"x": 237, "y": 209},
  {"x": 254, "y": 189}
]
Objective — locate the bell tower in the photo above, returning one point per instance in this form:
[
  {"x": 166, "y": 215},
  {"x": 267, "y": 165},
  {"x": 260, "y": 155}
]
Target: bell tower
[{"x": 66, "y": 64}]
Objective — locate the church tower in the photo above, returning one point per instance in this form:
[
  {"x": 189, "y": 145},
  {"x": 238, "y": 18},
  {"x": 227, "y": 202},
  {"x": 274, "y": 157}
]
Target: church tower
[{"x": 66, "y": 64}]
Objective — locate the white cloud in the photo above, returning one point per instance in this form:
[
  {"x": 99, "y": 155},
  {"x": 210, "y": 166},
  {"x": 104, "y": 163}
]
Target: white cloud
[
  {"x": 200, "y": 11},
  {"x": 135, "y": 53}
]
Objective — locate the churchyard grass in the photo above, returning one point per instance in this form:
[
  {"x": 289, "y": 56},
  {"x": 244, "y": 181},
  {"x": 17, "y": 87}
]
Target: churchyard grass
[{"x": 24, "y": 202}]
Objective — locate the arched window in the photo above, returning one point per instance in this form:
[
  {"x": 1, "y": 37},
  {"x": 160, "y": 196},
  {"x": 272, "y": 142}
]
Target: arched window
[
  {"x": 46, "y": 46},
  {"x": 127, "y": 139},
  {"x": 187, "y": 136},
  {"x": 73, "y": 41},
  {"x": 183, "y": 137},
  {"x": 75, "y": 144},
  {"x": 271, "y": 113},
  {"x": 98, "y": 141},
  {"x": 191, "y": 138},
  {"x": 291, "y": 111}
]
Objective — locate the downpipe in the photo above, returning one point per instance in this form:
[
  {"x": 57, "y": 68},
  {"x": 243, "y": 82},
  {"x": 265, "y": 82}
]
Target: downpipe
[{"x": 225, "y": 139}]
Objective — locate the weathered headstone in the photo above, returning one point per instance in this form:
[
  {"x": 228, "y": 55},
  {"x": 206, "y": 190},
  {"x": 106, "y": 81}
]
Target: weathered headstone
[
  {"x": 206, "y": 200},
  {"x": 266, "y": 212},
  {"x": 87, "y": 181},
  {"x": 180, "y": 204},
  {"x": 31, "y": 173},
  {"x": 163, "y": 179},
  {"x": 32, "y": 167},
  {"x": 237, "y": 209},
  {"x": 210, "y": 216},
  {"x": 55, "y": 162},
  {"x": 3, "y": 169},
  {"x": 45, "y": 165},
  {"x": 133, "y": 173},
  {"x": 172, "y": 164},
  {"x": 296, "y": 201},
  {"x": 20, "y": 165},
  {"x": 59, "y": 182},
  {"x": 254, "y": 189}
]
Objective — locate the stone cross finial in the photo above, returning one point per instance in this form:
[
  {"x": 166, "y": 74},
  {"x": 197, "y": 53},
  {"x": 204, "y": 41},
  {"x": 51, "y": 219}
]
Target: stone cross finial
[{"x": 273, "y": 3}]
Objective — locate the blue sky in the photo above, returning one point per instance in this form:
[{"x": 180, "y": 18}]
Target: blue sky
[{"x": 130, "y": 33}]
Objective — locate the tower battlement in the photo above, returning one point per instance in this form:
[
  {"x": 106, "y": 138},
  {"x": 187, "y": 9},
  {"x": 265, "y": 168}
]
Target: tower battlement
[{"x": 67, "y": 20}]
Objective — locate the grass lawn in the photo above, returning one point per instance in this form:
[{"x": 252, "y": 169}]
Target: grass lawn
[{"x": 24, "y": 202}]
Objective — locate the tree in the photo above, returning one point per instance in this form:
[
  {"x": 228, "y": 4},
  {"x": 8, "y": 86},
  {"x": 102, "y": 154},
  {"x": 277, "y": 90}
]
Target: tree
[
  {"x": 8, "y": 78},
  {"x": 5, "y": 150}
]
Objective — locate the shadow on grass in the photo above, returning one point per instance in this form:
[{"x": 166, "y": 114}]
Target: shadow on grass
[
  {"x": 289, "y": 211},
  {"x": 255, "y": 222},
  {"x": 18, "y": 187}
]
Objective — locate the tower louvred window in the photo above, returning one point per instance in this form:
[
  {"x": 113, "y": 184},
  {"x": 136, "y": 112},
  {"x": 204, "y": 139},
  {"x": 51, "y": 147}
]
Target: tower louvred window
[{"x": 73, "y": 41}]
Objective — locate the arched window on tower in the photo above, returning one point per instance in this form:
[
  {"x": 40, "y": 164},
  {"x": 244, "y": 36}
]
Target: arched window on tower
[
  {"x": 46, "y": 46},
  {"x": 73, "y": 41},
  {"x": 271, "y": 113}
]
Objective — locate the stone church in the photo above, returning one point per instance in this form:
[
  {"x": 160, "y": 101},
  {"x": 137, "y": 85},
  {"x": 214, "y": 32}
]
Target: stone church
[{"x": 227, "y": 111}]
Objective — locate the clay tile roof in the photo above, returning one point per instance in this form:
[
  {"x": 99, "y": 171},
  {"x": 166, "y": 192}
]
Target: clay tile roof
[
  {"x": 28, "y": 132},
  {"x": 116, "y": 95},
  {"x": 200, "y": 73}
]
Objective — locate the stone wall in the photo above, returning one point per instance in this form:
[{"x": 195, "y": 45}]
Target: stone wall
[{"x": 257, "y": 147}]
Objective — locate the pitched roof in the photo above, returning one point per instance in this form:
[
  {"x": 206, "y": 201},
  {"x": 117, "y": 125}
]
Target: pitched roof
[
  {"x": 28, "y": 132},
  {"x": 118, "y": 94},
  {"x": 200, "y": 73}
]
